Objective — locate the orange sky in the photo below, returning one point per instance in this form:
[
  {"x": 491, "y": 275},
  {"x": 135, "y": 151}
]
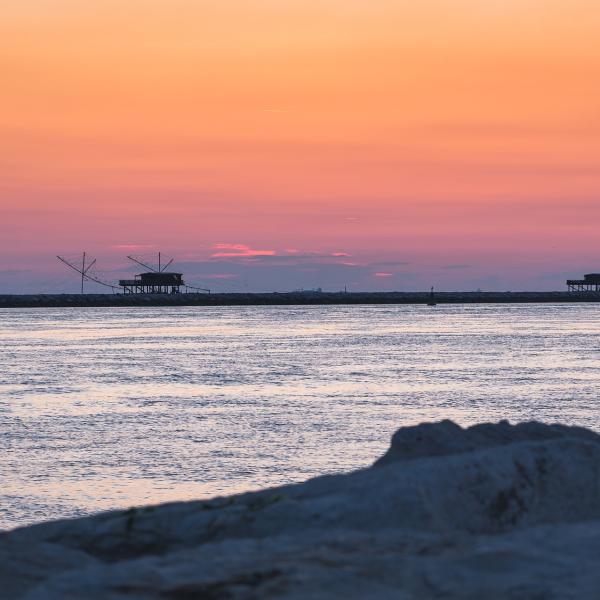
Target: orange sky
[{"x": 454, "y": 142}]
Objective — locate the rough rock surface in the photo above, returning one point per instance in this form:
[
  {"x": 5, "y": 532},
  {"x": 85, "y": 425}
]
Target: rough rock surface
[
  {"x": 493, "y": 511},
  {"x": 287, "y": 298}
]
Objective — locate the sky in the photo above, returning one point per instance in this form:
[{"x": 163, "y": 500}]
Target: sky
[{"x": 271, "y": 145}]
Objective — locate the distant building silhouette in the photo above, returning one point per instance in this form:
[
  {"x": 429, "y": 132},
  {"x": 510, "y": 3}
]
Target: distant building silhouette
[
  {"x": 589, "y": 283},
  {"x": 153, "y": 283}
]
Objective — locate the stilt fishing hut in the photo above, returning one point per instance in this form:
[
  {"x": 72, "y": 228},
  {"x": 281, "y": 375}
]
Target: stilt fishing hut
[
  {"x": 156, "y": 281},
  {"x": 589, "y": 283},
  {"x": 153, "y": 283}
]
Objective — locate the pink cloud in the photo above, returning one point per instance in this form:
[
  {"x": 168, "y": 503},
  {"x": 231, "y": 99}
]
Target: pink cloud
[
  {"x": 238, "y": 251},
  {"x": 314, "y": 253},
  {"x": 226, "y": 250},
  {"x": 220, "y": 276},
  {"x": 383, "y": 274}
]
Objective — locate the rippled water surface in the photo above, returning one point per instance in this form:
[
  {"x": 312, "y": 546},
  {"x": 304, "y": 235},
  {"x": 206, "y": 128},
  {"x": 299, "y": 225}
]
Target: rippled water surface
[{"x": 114, "y": 407}]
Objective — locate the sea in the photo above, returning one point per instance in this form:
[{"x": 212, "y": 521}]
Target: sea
[{"x": 108, "y": 408}]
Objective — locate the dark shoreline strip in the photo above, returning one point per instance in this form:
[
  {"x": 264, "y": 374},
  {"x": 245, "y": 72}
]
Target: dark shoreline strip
[{"x": 289, "y": 298}]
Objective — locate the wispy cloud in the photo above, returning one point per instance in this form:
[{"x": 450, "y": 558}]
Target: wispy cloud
[
  {"x": 244, "y": 251},
  {"x": 238, "y": 251},
  {"x": 310, "y": 254},
  {"x": 383, "y": 274}
]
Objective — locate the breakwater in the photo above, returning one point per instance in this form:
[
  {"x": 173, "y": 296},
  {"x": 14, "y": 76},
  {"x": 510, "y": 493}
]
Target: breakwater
[{"x": 288, "y": 298}]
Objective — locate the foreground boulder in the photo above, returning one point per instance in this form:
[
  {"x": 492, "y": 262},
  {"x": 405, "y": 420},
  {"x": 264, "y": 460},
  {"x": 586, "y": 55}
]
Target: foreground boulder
[{"x": 492, "y": 511}]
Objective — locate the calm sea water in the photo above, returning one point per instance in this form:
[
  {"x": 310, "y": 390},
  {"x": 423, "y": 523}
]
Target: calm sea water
[{"x": 114, "y": 407}]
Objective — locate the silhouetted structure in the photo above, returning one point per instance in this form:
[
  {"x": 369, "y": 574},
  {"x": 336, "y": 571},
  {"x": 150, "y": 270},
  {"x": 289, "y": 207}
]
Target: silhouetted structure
[
  {"x": 153, "y": 283},
  {"x": 431, "y": 301},
  {"x": 589, "y": 283}
]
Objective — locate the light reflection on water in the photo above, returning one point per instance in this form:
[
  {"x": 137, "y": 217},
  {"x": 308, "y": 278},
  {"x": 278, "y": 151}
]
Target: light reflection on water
[{"x": 113, "y": 407}]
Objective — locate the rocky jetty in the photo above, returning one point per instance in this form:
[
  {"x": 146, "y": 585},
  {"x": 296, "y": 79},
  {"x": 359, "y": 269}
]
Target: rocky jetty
[
  {"x": 289, "y": 298},
  {"x": 493, "y": 511}
]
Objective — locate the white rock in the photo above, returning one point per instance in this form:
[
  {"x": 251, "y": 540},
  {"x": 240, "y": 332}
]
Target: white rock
[{"x": 493, "y": 511}]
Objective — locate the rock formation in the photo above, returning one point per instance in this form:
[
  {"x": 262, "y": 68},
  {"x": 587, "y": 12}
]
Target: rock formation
[
  {"x": 288, "y": 298},
  {"x": 493, "y": 511}
]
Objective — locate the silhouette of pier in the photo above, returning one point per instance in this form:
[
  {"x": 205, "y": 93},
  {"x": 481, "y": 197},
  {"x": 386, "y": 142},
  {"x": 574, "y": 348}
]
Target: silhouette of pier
[{"x": 589, "y": 283}]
